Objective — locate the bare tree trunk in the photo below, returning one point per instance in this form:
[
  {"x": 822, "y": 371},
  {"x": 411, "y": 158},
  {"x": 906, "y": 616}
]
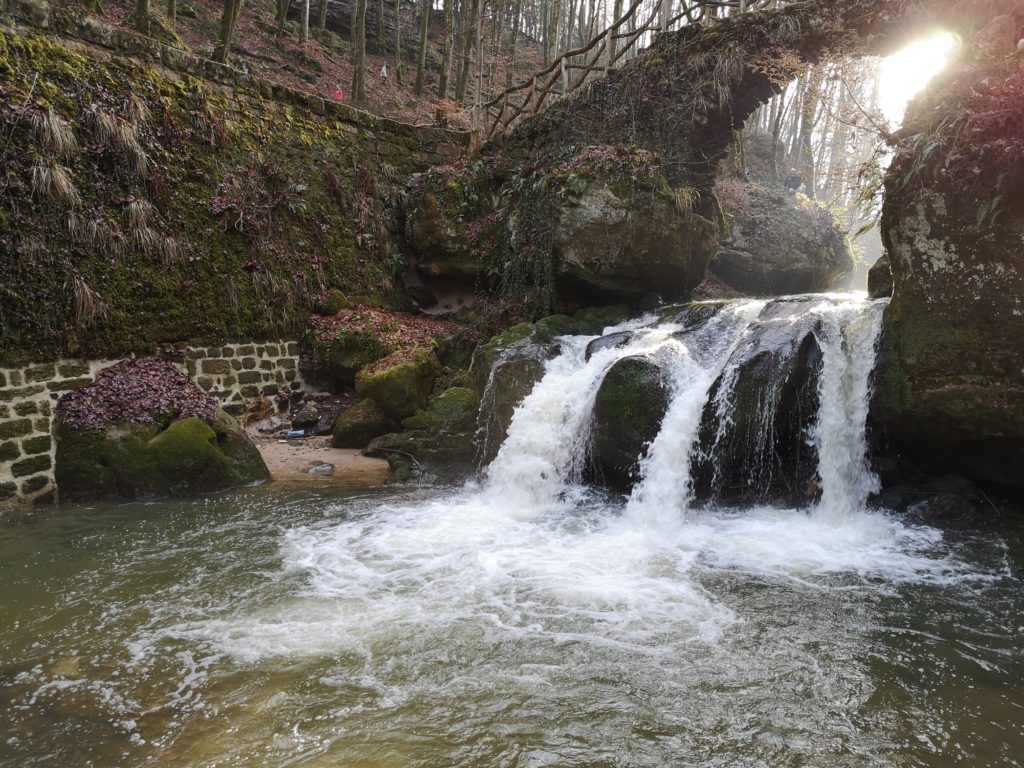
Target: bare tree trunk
[
  {"x": 282, "y": 15},
  {"x": 421, "y": 58},
  {"x": 359, "y": 52},
  {"x": 478, "y": 96},
  {"x": 172, "y": 12},
  {"x": 227, "y": 30},
  {"x": 304, "y": 24},
  {"x": 380, "y": 26},
  {"x": 321, "y": 16},
  {"x": 446, "y": 48},
  {"x": 473, "y": 8},
  {"x": 142, "y": 21},
  {"x": 807, "y": 113},
  {"x": 516, "y": 17},
  {"x": 398, "y": 41}
]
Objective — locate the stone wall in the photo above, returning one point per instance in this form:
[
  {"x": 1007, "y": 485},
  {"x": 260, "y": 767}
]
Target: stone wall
[
  {"x": 234, "y": 373},
  {"x": 250, "y": 200}
]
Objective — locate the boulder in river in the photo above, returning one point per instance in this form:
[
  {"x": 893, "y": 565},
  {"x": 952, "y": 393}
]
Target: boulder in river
[
  {"x": 361, "y": 423},
  {"x": 950, "y": 378},
  {"x": 778, "y": 243},
  {"x": 144, "y": 430},
  {"x": 628, "y": 412}
]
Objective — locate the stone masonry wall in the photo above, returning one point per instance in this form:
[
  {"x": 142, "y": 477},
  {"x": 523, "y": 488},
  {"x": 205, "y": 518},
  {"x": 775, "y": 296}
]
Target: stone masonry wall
[{"x": 234, "y": 373}]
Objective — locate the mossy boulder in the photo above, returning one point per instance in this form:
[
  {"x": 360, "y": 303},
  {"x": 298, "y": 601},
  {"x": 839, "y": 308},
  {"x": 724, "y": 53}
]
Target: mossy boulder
[
  {"x": 628, "y": 412},
  {"x": 625, "y": 240},
  {"x": 143, "y": 461},
  {"x": 400, "y": 387},
  {"x": 950, "y": 376},
  {"x": 880, "y": 279},
  {"x": 360, "y": 424},
  {"x": 754, "y": 430},
  {"x": 777, "y": 242},
  {"x": 454, "y": 410}
]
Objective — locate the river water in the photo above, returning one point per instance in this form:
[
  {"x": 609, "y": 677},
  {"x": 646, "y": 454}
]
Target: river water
[{"x": 525, "y": 619}]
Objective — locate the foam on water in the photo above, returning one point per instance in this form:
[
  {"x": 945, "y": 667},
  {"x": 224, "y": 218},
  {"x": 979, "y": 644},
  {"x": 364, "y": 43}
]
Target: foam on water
[{"x": 531, "y": 552}]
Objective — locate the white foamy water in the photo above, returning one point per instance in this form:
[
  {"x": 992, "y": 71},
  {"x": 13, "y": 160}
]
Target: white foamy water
[
  {"x": 524, "y": 618},
  {"x": 531, "y": 552}
]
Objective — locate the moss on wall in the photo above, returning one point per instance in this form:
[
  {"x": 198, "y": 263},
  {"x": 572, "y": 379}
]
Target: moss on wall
[{"x": 143, "y": 206}]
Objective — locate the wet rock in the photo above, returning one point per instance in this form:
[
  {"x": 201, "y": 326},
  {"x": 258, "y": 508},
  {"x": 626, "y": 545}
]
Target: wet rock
[
  {"x": 611, "y": 341},
  {"x": 754, "y": 429},
  {"x": 453, "y": 411},
  {"x": 778, "y": 243},
  {"x": 628, "y": 412},
  {"x": 880, "y": 279},
  {"x": 360, "y": 424}
]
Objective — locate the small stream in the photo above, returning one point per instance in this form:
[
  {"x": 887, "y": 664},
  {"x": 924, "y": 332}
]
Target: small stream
[{"x": 526, "y": 618}]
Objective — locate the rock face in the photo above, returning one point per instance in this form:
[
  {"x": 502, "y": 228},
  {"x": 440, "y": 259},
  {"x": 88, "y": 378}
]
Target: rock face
[
  {"x": 628, "y": 412},
  {"x": 880, "y": 279},
  {"x": 143, "y": 430},
  {"x": 778, "y": 243},
  {"x": 602, "y": 226},
  {"x": 360, "y": 424},
  {"x": 950, "y": 380},
  {"x": 629, "y": 244},
  {"x": 754, "y": 429}
]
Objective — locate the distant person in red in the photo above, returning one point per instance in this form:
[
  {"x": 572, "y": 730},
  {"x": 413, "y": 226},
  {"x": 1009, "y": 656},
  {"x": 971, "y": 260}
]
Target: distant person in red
[{"x": 339, "y": 94}]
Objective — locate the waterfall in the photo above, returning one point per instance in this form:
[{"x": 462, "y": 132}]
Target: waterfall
[{"x": 544, "y": 456}]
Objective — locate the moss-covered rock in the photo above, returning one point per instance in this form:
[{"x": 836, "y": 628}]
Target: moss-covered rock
[
  {"x": 778, "y": 243},
  {"x": 141, "y": 461},
  {"x": 400, "y": 387},
  {"x": 880, "y": 278},
  {"x": 454, "y": 410},
  {"x": 628, "y": 412},
  {"x": 950, "y": 377},
  {"x": 360, "y": 424}
]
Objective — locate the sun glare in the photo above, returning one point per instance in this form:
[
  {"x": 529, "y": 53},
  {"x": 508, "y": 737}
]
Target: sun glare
[{"x": 905, "y": 73}]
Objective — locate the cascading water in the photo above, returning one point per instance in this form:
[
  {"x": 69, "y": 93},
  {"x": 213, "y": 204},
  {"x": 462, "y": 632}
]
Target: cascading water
[{"x": 528, "y": 618}]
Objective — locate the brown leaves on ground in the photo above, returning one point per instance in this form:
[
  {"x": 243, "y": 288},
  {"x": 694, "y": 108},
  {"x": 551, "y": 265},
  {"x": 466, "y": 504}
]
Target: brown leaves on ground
[
  {"x": 398, "y": 332},
  {"x": 146, "y": 390}
]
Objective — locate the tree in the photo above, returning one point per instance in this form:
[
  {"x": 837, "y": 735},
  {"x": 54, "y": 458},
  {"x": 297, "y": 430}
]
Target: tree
[
  {"x": 227, "y": 30},
  {"x": 304, "y": 25},
  {"x": 421, "y": 58},
  {"x": 321, "y": 16},
  {"x": 172, "y": 11},
  {"x": 446, "y": 48},
  {"x": 398, "y": 43},
  {"x": 142, "y": 20},
  {"x": 359, "y": 52}
]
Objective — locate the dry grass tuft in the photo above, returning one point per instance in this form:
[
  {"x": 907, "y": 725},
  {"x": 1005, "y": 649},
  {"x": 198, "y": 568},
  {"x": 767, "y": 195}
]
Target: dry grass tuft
[
  {"x": 53, "y": 181},
  {"x": 54, "y": 135},
  {"x": 88, "y": 304},
  {"x": 114, "y": 133},
  {"x": 136, "y": 110}
]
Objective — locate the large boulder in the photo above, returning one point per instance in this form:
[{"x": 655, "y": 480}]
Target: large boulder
[
  {"x": 950, "y": 378},
  {"x": 143, "y": 430},
  {"x": 360, "y": 424},
  {"x": 778, "y": 243},
  {"x": 628, "y": 412},
  {"x": 400, "y": 385},
  {"x": 630, "y": 241},
  {"x": 601, "y": 225},
  {"x": 880, "y": 278},
  {"x": 754, "y": 430}
]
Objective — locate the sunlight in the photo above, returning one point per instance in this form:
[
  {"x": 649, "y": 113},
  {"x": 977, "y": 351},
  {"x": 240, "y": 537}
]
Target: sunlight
[{"x": 906, "y": 73}]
